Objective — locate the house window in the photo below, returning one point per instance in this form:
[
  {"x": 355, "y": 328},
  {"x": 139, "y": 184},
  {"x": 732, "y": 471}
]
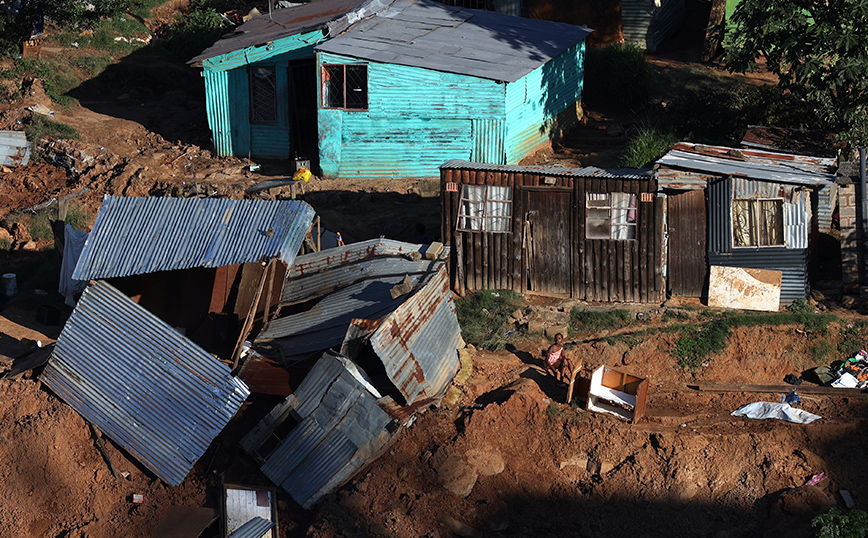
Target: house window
[
  {"x": 485, "y": 208},
  {"x": 263, "y": 95},
  {"x": 345, "y": 86},
  {"x": 757, "y": 223},
  {"x": 611, "y": 215}
]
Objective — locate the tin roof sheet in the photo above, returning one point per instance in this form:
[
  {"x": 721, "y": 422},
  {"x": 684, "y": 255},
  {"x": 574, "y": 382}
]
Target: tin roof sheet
[
  {"x": 431, "y": 35},
  {"x": 150, "y": 389},
  {"x": 255, "y": 528},
  {"x": 340, "y": 427},
  {"x": 753, "y": 164},
  {"x": 14, "y": 148},
  {"x": 799, "y": 141},
  {"x": 279, "y": 24},
  {"x": 145, "y": 235},
  {"x": 552, "y": 170}
]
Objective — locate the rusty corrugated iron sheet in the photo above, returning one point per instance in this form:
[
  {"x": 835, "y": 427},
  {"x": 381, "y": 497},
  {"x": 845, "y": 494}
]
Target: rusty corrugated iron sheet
[
  {"x": 14, "y": 148},
  {"x": 144, "y": 235},
  {"x": 753, "y": 164},
  {"x": 551, "y": 170},
  {"x": 151, "y": 390}
]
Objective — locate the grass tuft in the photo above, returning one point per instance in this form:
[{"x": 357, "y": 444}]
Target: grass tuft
[
  {"x": 484, "y": 317},
  {"x": 584, "y": 321},
  {"x": 648, "y": 145}
]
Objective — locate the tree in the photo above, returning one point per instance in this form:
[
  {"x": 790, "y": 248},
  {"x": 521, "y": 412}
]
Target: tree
[{"x": 819, "y": 51}]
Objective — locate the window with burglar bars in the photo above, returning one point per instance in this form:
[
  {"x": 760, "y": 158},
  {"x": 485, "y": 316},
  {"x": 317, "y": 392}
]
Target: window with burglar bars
[
  {"x": 263, "y": 95},
  {"x": 758, "y": 223},
  {"x": 611, "y": 215},
  {"x": 485, "y": 208},
  {"x": 345, "y": 86}
]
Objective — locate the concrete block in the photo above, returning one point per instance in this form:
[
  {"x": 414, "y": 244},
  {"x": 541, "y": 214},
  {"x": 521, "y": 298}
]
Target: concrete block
[{"x": 434, "y": 250}]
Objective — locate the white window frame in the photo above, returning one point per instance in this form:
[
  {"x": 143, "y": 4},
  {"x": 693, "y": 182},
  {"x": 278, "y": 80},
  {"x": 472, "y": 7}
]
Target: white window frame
[
  {"x": 756, "y": 223},
  {"x": 485, "y": 208},
  {"x": 618, "y": 212}
]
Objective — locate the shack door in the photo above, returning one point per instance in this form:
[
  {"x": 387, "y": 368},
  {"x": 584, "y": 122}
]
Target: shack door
[
  {"x": 547, "y": 240},
  {"x": 302, "y": 110},
  {"x": 688, "y": 266}
]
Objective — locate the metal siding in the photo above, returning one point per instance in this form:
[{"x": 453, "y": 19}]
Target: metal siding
[
  {"x": 720, "y": 215},
  {"x": 796, "y": 224},
  {"x": 792, "y": 264},
  {"x": 145, "y": 235},
  {"x": 646, "y": 23},
  {"x": 827, "y": 200},
  {"x": 415, "y": 119},
  {"x": 14, "y": 148},
  {"x": 488, "y": 141},
  {"x": 217, "y": 105},
  {"x": 534, "y": 102},
  {"x": 241, "y": 508},
  {"x": 270, "y": 141},
  {"x": 255, "y": 528},
  {"x": 328, "y": 259},
  {"x": 282, "y": 46},
  {"x": 550, "y": 170},
  {"x": 148, "y": 388},
  {"x": 418, "y": 343}
]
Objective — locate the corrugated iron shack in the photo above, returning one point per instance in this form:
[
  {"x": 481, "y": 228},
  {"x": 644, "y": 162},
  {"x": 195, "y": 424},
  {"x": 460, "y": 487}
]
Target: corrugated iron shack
[
  {"x": 739, "y": 208},
  {"x": 548, "y": 230},
  {"x": 391, "y": 88},
  {"x": 147, "y": 387},
  {"x": 209, "y": 251}
]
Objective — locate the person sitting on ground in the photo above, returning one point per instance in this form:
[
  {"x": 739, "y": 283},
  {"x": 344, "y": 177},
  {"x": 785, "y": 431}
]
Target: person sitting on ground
[{"x": 556, "y": 360}]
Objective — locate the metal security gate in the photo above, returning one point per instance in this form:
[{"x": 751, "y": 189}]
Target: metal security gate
[
  {"x": 547, "y": 241},
  {"x": 688, "y": 266}
]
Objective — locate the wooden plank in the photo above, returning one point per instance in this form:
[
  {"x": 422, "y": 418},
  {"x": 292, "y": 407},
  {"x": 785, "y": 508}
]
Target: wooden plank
[
  {"x": 486, "y": 260},
  {"x": 801, "y": 389},
  {"x": 509, "y": 240},
  {"x": 644, "y": 244},
  {"x": 478, "y": 281},
  {"x": 659, "y": 284},
  {"x": 469, "y": 283},
  {"x": 459, "y": 285},
  {"x": 578, "y": 217}
]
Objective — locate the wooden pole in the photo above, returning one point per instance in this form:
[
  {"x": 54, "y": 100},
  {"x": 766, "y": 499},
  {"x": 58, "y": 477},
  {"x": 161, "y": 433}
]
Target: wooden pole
[{"x": 801, "y": 389}]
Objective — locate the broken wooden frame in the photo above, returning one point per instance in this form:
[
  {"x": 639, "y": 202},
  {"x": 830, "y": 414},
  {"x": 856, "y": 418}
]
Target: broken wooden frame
[{"x": 611, "y": 391}]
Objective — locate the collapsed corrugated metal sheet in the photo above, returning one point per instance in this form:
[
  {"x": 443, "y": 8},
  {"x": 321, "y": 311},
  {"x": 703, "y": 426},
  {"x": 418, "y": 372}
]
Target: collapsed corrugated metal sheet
[
  {"x": 339, "y": 427},
  {"x": 354, "y": 281},
  {"x": 431, "y": 35},
  {"x": 150, "y": 389},
  {"x": 761, "y": 165},
  {"x": 14, "y": 148},
  {"x": 145, "y": 235},
  {"x": 255, "y": 528},
  {"x": 418, "y": 342},
  {"x": 551, "y": 170}
]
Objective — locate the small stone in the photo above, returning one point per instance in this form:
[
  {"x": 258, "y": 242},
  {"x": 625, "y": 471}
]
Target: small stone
[
  {"x": 457, "y": 475},
  {"x": 578, "y": 461},
  {"x": 536, "y": 326},
  {"x": 486, "y": 463},
  {"x": 605, "y": 467},
  {"x": 594, "y": 466},
  {"x": 30, "y": 245},
  {"x": 556, "y": 329}
]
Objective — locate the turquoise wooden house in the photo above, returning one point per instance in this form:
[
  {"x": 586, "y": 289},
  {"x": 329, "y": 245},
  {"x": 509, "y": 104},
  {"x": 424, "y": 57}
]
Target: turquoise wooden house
[{"x": 392, "y": 89}]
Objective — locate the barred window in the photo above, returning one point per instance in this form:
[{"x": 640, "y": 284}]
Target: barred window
[
  {"x": 757, "y": 223},
  {"x": 485, "y": 209},
  {"x": 345, "y": 86},
  {"x": 611, "y": 215},
  {"x": 263, "y": 95}
]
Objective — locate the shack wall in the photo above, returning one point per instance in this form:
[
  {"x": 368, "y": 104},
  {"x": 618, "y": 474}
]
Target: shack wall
[{"x": 601, "y": 270}]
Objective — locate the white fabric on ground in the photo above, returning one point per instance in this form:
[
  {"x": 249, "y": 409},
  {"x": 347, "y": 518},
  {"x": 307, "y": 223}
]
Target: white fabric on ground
[{"x": 781, "y": 411}]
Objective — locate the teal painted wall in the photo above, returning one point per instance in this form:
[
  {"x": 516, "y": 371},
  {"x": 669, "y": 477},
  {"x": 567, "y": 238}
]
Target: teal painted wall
[
  {"x": 416, "y": 120},
  {"x": 534, "y": 101},
  {"x": 227, "y": 97}
]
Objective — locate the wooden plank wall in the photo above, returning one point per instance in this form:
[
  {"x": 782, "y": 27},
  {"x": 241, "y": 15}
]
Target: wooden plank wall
[{"x": 603, "y": 271}]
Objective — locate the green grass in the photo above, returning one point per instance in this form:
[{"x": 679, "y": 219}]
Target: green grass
[
  {"x": 484, "y": 317},
  {"x": 648, "y": 145},
  {"x": 819, "y": 351},
  {"x": 41, "y": 127},
  {"x": 850, "y": 339},
  {"x": 585, "y": 321}
]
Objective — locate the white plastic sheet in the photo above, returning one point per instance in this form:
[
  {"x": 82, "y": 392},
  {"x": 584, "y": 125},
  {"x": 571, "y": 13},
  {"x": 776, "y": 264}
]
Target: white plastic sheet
[{"x": 782, "y": 411}]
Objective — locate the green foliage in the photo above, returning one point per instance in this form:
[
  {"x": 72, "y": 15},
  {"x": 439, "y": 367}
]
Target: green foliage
[
  {"x": 57, "y": 79},
  {"x": 75, "y": 215},
  {"x": 617, "y": 76},
  {"x": 850, "y": 339},
  {"x": 553, "y": 411},
  {"x": 582, "y": 320},
  {"x": 484, "y": 317},
  {"x": 817, "y": 48},
  {"x": 838, "y": 524},
  {"x": 5, "y": 244},
  {"x": 187, "y": 38},
  {"x": 648, "y": 145},
  {"x": 41, "y": 127},
  {"x": 819, "y": 350}
]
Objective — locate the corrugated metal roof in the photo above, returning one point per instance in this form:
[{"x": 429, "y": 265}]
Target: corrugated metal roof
[
  {"x": 799, "y": 141},
  {"x": 255, "y": 528},
  {"x": 14, "y": 148},
  {"x": 150, "y": 389},
  {"x": 431, "y": 35},
  {"x": 418, "y": 342},
  {"x": 281, "y": 23},
  {"x": 586, "y": 171},
  {"x": 145, "y": 235},
  {"x": 759, "y": 165},
  {"x": 340, "y": 426}
]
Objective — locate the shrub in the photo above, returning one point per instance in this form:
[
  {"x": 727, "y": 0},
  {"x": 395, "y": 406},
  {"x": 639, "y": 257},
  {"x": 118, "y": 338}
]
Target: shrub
[
  {"x": 648, "y": 145},
  {"x": 187, "y": 38},
  {"x": 616, "y": 76},
  {"x": 582, "y": 320},
  {"x": 838, "y": 524},
  {"x": 484, "y": 317},
  {"x": 41, "y": 127}
]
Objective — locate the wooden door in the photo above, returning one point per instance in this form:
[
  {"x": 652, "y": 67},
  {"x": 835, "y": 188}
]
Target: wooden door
[
  {"x": 547, "y": 241},
  {"x": 688, "y": 265}
]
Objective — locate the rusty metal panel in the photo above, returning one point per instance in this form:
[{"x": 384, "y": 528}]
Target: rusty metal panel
[
  {"x": 548, "y": 170},
  {"x": 14, "y": 148},
  {"x": 687, "y": 243},
  {"x": 144, "y": 235},
  {"x": 418, "y": 342},
  {"x": 151, "y": 390}
]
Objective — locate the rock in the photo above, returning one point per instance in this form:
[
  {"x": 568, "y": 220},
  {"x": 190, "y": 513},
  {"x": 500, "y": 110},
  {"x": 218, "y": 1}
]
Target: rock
[
  {"x": 518, "y": 314},
  {"x": 6, "y": 238},
  {"x": 556, "y": 329},
  {"x": 30, "y": 245},
  {"x": 536, "y": 326},
  {"x": 20, "y": 233},
  {"x": 486, "y": 462},
  {"x": 579, "y": 461},
  {"x": 405, "y": 287},
  {"x": 452, "y": 398},
  {"x": 414, "y": 256},
  {"x": 847, "y": 498},
  {"x": 605, "y": 467},
  {"x": 457, "y": 475},
  {"x": 466, "y": 369},
  {"x": 594, "y": 466}
]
